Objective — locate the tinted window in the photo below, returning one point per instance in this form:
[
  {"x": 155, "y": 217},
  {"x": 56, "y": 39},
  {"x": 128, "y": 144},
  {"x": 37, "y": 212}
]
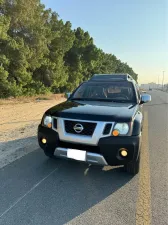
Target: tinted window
[{"x": 116, "y": 91}]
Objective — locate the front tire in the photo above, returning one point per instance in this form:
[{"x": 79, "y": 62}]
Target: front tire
[
  {"x": 133, "y": 167},
  {"x": 49, "y": 152}
]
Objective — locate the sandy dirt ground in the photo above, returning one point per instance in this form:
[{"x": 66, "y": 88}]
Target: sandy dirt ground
[{"x": 18, "y": 127}]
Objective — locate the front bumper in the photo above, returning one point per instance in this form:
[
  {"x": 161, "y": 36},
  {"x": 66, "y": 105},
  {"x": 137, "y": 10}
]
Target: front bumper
[{"x": 105, "y": 153}]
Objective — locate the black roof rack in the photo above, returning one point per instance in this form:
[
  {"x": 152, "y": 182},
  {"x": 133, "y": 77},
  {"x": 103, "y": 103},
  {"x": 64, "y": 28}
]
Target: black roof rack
[{"x": 114, "y": 77}]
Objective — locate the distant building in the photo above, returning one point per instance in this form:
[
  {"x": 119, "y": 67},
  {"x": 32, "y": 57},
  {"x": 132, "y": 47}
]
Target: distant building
[
  {"x": 154, "y": 86},
  {"x": 150, "y": 85}
]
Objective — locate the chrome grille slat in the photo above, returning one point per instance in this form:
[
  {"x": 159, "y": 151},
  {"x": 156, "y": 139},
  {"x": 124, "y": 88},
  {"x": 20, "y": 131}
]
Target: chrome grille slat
[
  {"x": 81, "y": 139},
  {"x": 88, "y": 128}
]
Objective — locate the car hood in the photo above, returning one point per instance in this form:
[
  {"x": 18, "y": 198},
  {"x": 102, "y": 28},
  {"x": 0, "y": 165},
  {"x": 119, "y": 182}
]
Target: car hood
[{"x": 95, "y": 111}]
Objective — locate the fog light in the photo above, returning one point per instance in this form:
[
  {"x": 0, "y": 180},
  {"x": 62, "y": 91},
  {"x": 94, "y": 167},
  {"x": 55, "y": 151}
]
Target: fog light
[
  {"x": 44, "y": 141},
  {"x": 124, "y": 152},
  {"x": 115, "y": 133},
  {"x": 49, "y": 125}
]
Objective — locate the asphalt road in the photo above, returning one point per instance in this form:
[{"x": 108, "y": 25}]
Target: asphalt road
[{"x": 36, "y": 190}]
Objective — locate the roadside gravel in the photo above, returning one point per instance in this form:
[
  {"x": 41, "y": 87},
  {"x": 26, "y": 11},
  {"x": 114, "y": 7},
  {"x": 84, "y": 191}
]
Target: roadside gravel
[{"x": 18, "y": 128}]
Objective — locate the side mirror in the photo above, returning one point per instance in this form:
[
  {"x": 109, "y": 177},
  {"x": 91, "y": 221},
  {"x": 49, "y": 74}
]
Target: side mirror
[
  {"x": 145, "y": 98},
  {"x": 67, "y": 95}
]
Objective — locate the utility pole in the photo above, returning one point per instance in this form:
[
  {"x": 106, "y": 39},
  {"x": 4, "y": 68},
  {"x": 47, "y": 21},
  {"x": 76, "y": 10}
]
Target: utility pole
[
  {"x": 163, "y": 81},
  {"x": 158, "y": 81}
]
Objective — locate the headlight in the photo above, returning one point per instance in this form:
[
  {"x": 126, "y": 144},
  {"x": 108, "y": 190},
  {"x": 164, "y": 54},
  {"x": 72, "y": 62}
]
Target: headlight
[
  {"x": 120, "y": 129},
  {"x": 47, "y": 121}
]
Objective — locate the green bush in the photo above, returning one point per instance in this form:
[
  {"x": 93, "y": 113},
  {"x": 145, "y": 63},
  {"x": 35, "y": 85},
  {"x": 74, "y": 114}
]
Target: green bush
[{"x": 39, "y": 53}]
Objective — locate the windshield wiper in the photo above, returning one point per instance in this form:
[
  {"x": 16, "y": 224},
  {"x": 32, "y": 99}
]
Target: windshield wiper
[
  {"x": 122, "y": 101},
  {"x": 92, "y": 99},
  {"x": 101, "y": 100},
  {"x": 79, "y": 99}
]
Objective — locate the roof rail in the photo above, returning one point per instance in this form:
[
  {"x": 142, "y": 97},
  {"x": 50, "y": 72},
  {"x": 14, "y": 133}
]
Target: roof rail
[{"x": 115, "y": 76}]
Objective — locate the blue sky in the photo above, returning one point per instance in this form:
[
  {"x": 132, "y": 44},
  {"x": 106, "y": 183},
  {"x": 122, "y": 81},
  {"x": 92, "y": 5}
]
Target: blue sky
[{"x": 136, "y": 31}]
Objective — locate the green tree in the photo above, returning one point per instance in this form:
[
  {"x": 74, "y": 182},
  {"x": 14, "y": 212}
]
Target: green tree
[
  {"x": 40, "y": 53},
  {"x": 26, "y": 43},
  {"x": 81, "y": 58}
]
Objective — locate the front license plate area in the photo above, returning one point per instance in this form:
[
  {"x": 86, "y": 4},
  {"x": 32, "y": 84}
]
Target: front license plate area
[{"x": 76, "y": 154}]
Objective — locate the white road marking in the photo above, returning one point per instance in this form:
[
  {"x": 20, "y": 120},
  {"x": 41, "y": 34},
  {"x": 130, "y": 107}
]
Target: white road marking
[{"x": 28, "y": 192}]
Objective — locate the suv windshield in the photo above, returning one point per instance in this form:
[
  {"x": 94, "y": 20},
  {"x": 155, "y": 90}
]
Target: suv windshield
[{"x": 115, "y": 91}]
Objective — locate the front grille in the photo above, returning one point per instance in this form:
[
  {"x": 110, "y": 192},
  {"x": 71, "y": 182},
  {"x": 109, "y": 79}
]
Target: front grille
[
  {"x": 107, "y": 128},
  {"x": 88, "y": 148},
  {"x": 88, "y": 128},
  {"x": 55, "y": 123}
]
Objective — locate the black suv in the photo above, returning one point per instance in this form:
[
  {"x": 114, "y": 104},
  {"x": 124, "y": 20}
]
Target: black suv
[{"x": 100, "y": 123}]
